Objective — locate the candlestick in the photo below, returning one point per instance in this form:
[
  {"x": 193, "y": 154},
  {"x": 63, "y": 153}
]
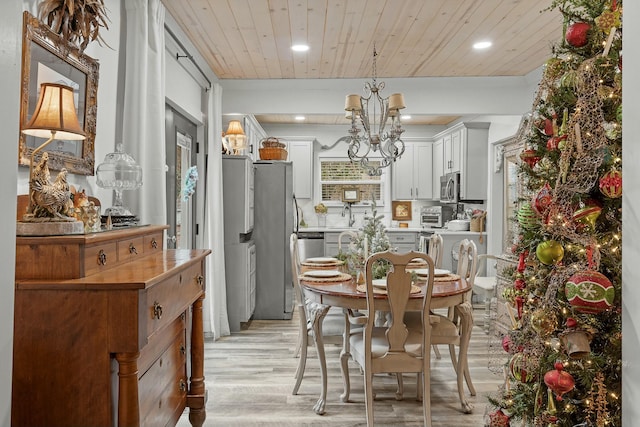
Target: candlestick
[{"x": 366, "y": 247}]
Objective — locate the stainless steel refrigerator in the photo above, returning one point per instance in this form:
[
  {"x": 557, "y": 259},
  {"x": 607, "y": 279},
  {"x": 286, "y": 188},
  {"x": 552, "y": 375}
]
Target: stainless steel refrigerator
[{"x": 273, "y": 224}]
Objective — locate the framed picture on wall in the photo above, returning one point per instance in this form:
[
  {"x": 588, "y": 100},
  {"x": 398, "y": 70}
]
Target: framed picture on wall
[
  {"x": 401, "y": 210},
  {"x": 350, "y": 195}
]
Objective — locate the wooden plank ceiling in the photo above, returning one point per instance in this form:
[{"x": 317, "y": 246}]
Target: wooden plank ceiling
[{"x": 252, "y": 39}]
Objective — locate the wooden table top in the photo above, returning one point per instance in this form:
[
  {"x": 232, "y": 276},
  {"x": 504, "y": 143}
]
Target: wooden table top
[{"x": 347, "y": 289}]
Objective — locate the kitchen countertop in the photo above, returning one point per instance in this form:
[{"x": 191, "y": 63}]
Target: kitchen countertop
[{"x": 442, "y": 231}]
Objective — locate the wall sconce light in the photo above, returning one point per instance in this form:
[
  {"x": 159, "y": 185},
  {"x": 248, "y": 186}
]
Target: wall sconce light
[{"x": 235, "y": 137}]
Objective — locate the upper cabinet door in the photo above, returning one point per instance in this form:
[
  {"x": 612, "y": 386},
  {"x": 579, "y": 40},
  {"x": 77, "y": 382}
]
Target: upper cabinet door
[
  {"x": 422, "y": 174},
  {"x": 301, "y": 155},
  {"x": 438, "y": 167},
  {"x": 412, "y": 179},
  {"x": 402, "y": 175}
]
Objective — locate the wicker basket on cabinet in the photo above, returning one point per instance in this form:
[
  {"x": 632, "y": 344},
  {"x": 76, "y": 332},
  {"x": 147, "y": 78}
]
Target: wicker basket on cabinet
[{"x": 272, "y": 149}]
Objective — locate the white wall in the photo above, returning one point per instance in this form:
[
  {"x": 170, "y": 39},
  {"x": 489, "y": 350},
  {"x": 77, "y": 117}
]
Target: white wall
[
  {"x": 631, "y": 217},
  {"x": 10, "y": 58}
]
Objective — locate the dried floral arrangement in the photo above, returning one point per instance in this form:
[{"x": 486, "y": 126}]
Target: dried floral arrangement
[{"x": 77, "y": 21}]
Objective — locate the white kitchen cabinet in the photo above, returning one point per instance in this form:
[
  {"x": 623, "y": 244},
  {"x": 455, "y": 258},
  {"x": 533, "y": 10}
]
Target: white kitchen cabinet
[
  {"x": 465, "y": 148},
  {"x": 301, "y": 155},
  {"x": 438, "y": 168},
  {"x": 412, "y": 176},
  {"x": 403, "y": 241},
  {"x": 451, "y": 151},
  {"x": 255, "y": 134}
]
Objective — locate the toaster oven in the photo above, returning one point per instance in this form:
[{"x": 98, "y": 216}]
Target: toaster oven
[{"x": 435, "y": 216}]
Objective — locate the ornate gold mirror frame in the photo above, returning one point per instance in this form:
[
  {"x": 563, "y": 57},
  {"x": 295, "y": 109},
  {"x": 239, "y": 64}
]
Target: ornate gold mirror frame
[{"x": 46, "y": 57}]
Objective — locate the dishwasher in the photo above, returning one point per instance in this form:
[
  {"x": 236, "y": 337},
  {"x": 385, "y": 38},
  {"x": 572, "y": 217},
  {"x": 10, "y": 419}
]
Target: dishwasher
[{"x": 310, "y": 244}]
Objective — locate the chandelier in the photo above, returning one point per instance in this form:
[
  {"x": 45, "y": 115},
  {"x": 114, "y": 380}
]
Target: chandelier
[{"x": 379, "y": 121}]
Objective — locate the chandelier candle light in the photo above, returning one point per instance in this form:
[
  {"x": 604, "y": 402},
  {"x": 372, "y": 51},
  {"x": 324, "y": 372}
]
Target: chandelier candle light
[{"x": 373, "y": 113}]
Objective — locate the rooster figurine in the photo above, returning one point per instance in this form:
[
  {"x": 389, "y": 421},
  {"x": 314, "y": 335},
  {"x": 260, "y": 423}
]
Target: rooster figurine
[{"x": 52, "y": 200}]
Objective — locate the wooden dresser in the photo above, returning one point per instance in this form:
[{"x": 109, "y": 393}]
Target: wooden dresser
[{"x": 108, "y": 330}]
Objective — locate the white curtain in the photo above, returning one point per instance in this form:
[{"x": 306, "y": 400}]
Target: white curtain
[
  {"x": 215, "y": 304},
  {"x": 143, "y": 120}
]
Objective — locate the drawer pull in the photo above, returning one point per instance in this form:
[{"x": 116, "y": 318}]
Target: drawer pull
[
  {"x": 157, "y": 310},
  {"x": 154, "y": 243},
  {"x": 183, "y": 350},
  {"x": 132, "y": 249},
  {"x": 200, "y": 281},
  {"x": 183, "y": 386},
  {"x": 102, "y": 257}
]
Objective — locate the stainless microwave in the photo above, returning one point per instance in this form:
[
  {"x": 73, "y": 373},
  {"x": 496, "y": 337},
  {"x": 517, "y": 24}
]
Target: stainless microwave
[{"x": 450, "y": 188}]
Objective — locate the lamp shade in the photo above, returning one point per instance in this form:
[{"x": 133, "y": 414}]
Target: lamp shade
[
  {"x": 235, "y": 128},
  {"x": 235, "y": 136},
  {"x": 55, "y": 112}
]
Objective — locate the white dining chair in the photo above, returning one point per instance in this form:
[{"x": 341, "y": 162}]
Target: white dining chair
[
  {"x": 333, "y": 325},
  {"x": 457, "y": 331},
  {"x": 484, "y": 287},
  {"x": 394, "y": 348}
]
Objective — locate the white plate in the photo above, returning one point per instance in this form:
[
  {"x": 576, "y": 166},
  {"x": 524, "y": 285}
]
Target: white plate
[
  {"x": 379, "y": 283},
  {"x": 436, "y": 272},
  {"x": 322, "y": 273},
  {"x": 322, "y": 260}
]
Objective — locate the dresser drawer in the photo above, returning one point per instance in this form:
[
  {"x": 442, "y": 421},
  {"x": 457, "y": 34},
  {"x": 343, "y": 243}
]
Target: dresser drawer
[
  {"x": 130, "y": 249},
  {"x": 167, "y": 299},
  {"x": 98, "y": 258},
  {"x": 163, "y": 387},
  {"x": 152, "y": 243}
]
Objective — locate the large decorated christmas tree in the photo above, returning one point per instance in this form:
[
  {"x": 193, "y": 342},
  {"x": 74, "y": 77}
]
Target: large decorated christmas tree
[{"x": 564, "y": 362}]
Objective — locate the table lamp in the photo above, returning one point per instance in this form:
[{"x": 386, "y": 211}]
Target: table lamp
[
  {"x": 54, "y": 118},
  {"x": 235, "y": 137}
]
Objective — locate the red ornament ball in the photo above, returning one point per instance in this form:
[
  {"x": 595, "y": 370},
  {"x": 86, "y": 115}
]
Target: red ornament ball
[
  {"x": 577, "y": 33},
  {"x": 611, "y": 184},
  {"x": 589, "y": 292},
  {"x": 498, "y": 419},
  {"x": 559, "y": 381}
]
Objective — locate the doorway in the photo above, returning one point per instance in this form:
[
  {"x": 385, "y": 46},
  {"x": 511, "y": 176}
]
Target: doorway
[{"x": 181, "y": 155}]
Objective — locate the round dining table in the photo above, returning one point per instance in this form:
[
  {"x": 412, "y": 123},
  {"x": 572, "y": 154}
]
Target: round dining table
[{"x": 322, "y": 295}]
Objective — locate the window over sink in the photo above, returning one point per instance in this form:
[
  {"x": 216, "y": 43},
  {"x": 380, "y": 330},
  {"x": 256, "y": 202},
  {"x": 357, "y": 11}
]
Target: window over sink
[{"x": 337, "y": 174}]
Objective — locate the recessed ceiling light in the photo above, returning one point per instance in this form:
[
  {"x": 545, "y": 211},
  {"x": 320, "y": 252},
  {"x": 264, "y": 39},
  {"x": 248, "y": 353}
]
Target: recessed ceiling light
[
  {"x": 300, "y": 118},
  {"x": 482, "y": 45},
  {"x": 300, "y": 47}
]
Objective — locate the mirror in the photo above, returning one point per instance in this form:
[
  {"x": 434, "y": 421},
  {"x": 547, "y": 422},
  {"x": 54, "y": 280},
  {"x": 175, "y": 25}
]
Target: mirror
[{"x": 46, "y": 57}]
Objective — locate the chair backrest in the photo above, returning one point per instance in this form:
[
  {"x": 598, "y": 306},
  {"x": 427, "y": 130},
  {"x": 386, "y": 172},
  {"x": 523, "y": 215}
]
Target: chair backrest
[
  {"x": 295, "y": 272},
  {"x": 467, "y": 261},
  {"x": 399, "y": 284},
  {"x": 483, "y": 259},
  {"x": 352, "y": 235},
  {"x": 436, "y": 249}
]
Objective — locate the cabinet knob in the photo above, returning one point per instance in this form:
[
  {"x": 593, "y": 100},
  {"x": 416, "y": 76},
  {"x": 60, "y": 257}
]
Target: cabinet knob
[
  {"x": 132, "y": 249},
  {"x": 154, "y": 243},
  {"x": 102, "y": 257},
  {"x": 157, "y": 310}
]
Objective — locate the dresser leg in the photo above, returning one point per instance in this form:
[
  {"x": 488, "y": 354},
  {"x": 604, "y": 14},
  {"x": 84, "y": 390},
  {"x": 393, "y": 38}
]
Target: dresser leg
[
  {"x": 197, "y": 398},
  {"x": 128, "y": 406}
]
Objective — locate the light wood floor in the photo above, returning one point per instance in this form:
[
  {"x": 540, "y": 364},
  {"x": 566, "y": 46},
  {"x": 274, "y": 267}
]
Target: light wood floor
[{"x": 249, "y": 377}]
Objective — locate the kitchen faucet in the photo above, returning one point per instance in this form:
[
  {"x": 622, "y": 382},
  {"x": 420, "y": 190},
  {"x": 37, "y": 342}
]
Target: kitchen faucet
[{"x": 347, "y": 207}]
